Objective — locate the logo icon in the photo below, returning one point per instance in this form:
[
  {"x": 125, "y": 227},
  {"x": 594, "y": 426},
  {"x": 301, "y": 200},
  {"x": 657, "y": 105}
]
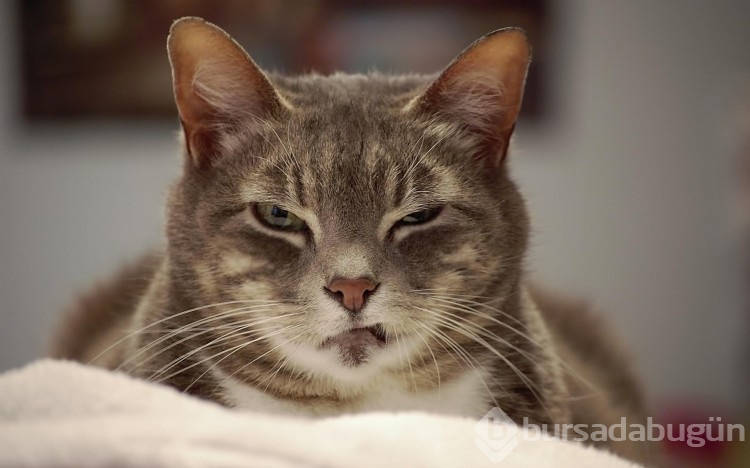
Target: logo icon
[{"x": 496, "y": 435}]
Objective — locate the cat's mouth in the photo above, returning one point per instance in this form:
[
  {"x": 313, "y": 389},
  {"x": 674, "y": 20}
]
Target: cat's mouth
[{"x": 356, "y": 344}]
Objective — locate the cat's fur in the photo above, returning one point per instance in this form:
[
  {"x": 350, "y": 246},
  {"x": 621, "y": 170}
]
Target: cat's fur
[{"x": 238, "y": 312}]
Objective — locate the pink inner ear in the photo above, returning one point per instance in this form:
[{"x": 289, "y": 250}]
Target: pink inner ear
[
  {"x": 202, "y": 144},
  {"x": 476, "y": 98},
  {"x": 232, "y": 88},
  {"x": 200, "y": 124},
  {"x": 482, "y": 89},
  {"x": 476, "y": 102},
  {"x": 216, "y": 85}
]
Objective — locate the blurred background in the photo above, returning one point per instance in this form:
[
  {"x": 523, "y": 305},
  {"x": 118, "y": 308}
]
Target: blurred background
[{"x": 633, "y": 151}]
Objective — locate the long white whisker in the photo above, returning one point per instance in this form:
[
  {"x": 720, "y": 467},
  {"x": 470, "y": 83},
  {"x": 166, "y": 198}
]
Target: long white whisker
[
  {"x": 219, "y": 362},
  {"x": 220, "y": 384},
  {"x": 554, "y": 356},
  {"x": 169, "y": 317},
  {"x": 221, "y": 315},
  {"x": 229, "y": 350},
  {"x": 236, "y": 332},
  {"x": 452, "y": 325},
  {"x": 437, "y": 367},
  {"x": 400, "y": 358},
  {"x": 411, "y": 370},
  {"x": 466, "y": 357}
]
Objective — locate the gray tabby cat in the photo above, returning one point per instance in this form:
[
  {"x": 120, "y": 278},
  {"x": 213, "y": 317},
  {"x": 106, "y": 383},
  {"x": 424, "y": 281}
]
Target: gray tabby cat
[{"x": 349, "y": 243}]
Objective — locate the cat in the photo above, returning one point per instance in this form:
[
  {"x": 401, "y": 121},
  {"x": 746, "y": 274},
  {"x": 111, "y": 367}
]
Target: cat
[{"x": 349, "y": 243}]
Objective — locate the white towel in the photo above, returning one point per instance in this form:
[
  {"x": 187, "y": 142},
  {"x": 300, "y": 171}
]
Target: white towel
[{"x": 63, "y": 414}]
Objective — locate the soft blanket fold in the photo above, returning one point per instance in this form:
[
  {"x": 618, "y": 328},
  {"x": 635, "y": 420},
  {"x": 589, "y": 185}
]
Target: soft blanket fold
[{"x": 55, "y": 413}]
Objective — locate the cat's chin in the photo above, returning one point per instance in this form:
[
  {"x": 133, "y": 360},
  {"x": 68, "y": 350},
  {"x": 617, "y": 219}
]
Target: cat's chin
[
  {"x": 355, "y": 346},
  {"x": 326, "y": 359}
]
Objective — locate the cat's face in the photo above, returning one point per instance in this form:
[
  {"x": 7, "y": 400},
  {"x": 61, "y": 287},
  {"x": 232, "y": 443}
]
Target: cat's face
[{"x": 351, "y": 211}]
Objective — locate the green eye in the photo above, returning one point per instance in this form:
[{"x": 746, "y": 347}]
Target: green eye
[
  {"x": 278, "y": 218},
  {"x": 419, "y": 217}
]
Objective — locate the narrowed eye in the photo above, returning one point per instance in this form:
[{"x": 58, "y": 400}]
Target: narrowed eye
[
  {"x": 278, "y": 218},
  {"x": 419, "y": 217}
]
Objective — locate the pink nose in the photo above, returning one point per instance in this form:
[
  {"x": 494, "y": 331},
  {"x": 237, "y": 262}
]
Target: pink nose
[{"x": 352, "y": 293}]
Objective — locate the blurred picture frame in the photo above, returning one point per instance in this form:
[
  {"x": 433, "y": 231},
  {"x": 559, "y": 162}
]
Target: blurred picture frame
[{"x": 106, "y": 59}]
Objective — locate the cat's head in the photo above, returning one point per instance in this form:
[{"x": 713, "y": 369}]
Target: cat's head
[{"x": 357, "y": 215}]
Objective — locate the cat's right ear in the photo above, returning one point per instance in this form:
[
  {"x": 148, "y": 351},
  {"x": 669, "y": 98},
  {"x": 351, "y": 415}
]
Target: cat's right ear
[{"x": 216, "y": 86}]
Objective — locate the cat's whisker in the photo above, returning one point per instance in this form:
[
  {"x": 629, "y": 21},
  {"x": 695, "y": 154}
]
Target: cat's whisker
[
  {"x": 474, "y": 328},
  {"x": 239, "y": 333},
  {"x": 448, "y": 306},
  {"x": 457, "y": 306},
  {"x": 278, "y": 365},
  {"x": 400, "y": 358},
  {"x": 568, "y": 368},
  {"x": 462, "y": 328},
  {"x": 457, "y": 327},
  {"x": 292, "y": 156},
  {"x": 408, "y": 170},
  {"x": 220, "y": 341},
  {"x": 471, "y": 333},
  {"x": 466, "y": 357},
  {"x": 411, "y": 371},
  {"x": 294, "y": 372},
  {"x": 189, "y": 326},
  {"x": 434, "y": 360},
  {"x": 289, "y": 156},
  {"x": 240, "y": 327},
  {"x": 415, "y": 164},
  {"x": 281, "y": 362},
  {"x": 229, "y": 350},
  {"x": 557, "y": 359},
  {"x": 221, "y": 315},
  {"x": 424, "y": 155},
  {"x": 170, "y": 317},
  {"x": 242, "y": 368},
  {"x": 212, "y": 366},
  {"x": 465, "y": 302}
]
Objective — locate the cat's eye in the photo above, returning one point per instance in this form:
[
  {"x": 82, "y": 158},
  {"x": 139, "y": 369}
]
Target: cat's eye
[
  {"x": 278, "y": 218},
  {"x": 419, "y": 217}
]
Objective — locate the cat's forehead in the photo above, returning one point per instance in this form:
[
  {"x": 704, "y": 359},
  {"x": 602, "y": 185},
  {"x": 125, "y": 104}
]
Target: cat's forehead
[
  {"x": 349, "y": 169},
  {"x": 347, "y": 145},
  {"x": 348, "y": 133},
  {"x": 341, "y": 114},
  {"x": 372, "y": 89},
  {"x": 353, "y": 159}
]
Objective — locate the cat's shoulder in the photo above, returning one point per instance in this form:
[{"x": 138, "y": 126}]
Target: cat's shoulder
[{"x": 103, "y": 310}]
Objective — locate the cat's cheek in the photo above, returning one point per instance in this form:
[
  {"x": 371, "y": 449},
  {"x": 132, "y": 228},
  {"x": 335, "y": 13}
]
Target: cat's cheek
[{"x": 426, "y": 255}]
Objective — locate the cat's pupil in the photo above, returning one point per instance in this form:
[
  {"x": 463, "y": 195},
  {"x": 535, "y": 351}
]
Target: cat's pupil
[
  {"x": 419, "y": 217},
  {"x": 279, "y": 218}
]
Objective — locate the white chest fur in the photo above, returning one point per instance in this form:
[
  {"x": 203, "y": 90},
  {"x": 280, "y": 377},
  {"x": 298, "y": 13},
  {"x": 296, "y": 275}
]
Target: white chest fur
[{"x": 463, "y": 396}]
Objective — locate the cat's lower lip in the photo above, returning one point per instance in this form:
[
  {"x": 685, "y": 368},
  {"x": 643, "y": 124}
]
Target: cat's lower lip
[{"x": 355, "y": 345}]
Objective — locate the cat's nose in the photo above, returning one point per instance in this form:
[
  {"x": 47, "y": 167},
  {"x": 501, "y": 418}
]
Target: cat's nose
[{"x": 352, "y": 293}]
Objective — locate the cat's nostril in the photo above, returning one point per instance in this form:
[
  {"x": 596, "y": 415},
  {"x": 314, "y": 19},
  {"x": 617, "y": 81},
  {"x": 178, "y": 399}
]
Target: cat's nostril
[{"x": 352, "y": 293}]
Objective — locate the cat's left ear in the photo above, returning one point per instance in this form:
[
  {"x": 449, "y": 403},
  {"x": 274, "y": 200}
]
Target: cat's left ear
[
  {"x": 481, "y": 91},
  {"x": 217, "y": 86}
]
